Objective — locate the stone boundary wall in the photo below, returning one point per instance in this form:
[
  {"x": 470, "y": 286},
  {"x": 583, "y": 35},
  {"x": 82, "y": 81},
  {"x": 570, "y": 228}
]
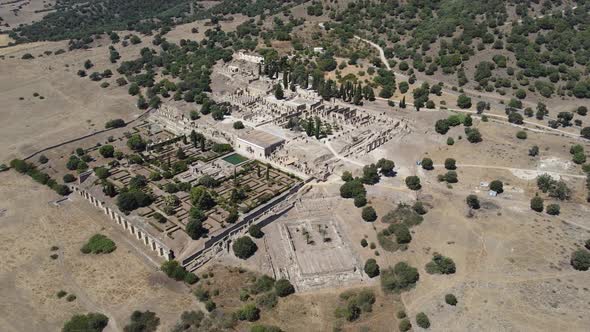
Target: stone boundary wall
[
  {"x": 262, "y": 216},
  {"x": 84, "y": 136},
  {"x": 137, "y": 231}
]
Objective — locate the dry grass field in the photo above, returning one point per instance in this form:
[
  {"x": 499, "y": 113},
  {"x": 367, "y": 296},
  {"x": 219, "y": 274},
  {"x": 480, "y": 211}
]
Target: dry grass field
[
  {"x": 66, "y": 107},
  {"x": 114, "y": 284},
  {"x": 15, "y": 13}
]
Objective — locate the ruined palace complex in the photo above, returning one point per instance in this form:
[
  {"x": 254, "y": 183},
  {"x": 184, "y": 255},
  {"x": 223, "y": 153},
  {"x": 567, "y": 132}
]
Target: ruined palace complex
[{"x": 257, "y": 173}]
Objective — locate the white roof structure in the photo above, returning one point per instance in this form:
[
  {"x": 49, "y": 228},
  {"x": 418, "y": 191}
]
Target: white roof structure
[{"x": 260, "y": 139}]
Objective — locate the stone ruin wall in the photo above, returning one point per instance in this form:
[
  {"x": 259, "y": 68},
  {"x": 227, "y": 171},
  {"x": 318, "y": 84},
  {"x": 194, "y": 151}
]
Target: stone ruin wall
[
  {"x": 220, "y": 243},
  {"x": 173, "y": 120},
  {"x": 134, "y": 229}
]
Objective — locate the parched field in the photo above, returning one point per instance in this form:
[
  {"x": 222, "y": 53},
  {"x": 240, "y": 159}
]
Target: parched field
[
  {"x": 115, "y": 284},
  {"x": 45, "y": 102}
]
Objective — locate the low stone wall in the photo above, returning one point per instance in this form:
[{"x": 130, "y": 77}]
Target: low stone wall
[
  {"x": 84, "y": 136},
  {"x": 136, "y": 230}
]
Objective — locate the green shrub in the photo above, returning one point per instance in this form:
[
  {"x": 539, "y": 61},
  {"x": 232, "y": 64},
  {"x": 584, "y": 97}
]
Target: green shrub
[
  {"x": 422, "y": 320},
  {"x": 581, "y": 260},
  {"x": 472, "y": 201},
  {"x": 369, "y": 214},
  {"x": 413, "y": 182},
  {"x": 249, "y": 312},
  {"x": 399, "y": 278},
  {"x": 267, "y": 300},
  {"x": 537, "y": 203},
  {"x": 360, "y": 201},
  {"x": 371, "y": 268},
  {"x": 92, "y": 322},
  {"x": 553, "y": 209},
  {"x": 202, "y": 294},
  {"x": 357, "y": 302},
  {"x": 284, "y": 288},
  {"x": 440, "y": 265},
  {"x": 107, "y": 151},
  {"x": 20, "y": 166},
  {"x": 102, "y": 172},
  {"x": 419, "y": 208},
  {"x": 497, "y": 186},
  {"x": 174, "y": 270},
  {"x": 71, "y": 298},
  {"x": 405, "y": 325},
  {"x": 521, "y": 134},
  {"x": 450, "y": 164},
  {"x": 244, "y": 247},
  {"x": 191, "y": 278},
  {"x": 450, "y": 299},
  {"x": 99, "y": 244},
  {"x": 238, "y": 125},
  {"x": 403, "y": 214},
  {"x": 350, "y": 312},
  {"x": 68, "y": 178},
  {"x": 142, "y": 322},
  {"x": 255, "y": 231},
  {"x": 61, "y": 294},
  {"x": 449, "y": 177},
  {"x": 262, "y": 284},
  {"x": 265, "y": 328},
  {"x": 427, "y": 164},
  {"x": 352, "y": 189}
]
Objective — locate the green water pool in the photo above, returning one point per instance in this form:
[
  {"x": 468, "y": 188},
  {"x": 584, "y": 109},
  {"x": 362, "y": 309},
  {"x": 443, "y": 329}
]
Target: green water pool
[{"x": 235, "y": 159}]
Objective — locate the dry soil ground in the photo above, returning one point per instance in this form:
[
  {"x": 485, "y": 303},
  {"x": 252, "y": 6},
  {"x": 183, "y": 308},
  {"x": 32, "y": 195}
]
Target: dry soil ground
[
  {"x": 312, "y": 311},
  {"x": 114, "y": 284},
  {"x": 17, "y": 12},
  {"x": 71, "y": 106}
]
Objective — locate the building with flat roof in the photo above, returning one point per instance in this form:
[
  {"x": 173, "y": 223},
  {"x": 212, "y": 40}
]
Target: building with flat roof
[{"x": 258, "y": 143}]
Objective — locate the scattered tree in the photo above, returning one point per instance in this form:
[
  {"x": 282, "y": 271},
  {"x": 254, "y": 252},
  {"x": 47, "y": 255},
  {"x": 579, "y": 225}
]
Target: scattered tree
[
  {"x": 413, "y": 182},
  {"x": 142, "y": 322},
  {"x": 497, "y": 186},
  {"x": 450, "y": 299},
  {"x": 371, "y": 268},
  {"x": 244, "y": 247},
  {"x": 537, "y": 203},
  {"x": 472, "y": 202},
  {"x": 553, "y": 209},
  {"x": 427, "y": 164},
  {"x": 440, "y": 265},
  {"x": 422, "y": 320},
  {"x": 91, "y": 322},
  {"x": 369, "y": 214},
  {"x": 284, "y": 288},
  {"x": 581, "y": 260}
]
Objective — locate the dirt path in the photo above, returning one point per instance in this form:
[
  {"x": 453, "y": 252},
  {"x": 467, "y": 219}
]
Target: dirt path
[
  {"x": 352, "y": 161},
  {"x": 512, "y": 169}
]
